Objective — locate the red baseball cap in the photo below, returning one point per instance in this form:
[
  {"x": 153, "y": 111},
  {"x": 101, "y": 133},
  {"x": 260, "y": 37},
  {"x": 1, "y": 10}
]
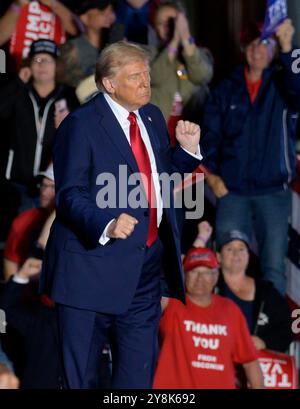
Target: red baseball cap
[{"x": 200, "y": 257}]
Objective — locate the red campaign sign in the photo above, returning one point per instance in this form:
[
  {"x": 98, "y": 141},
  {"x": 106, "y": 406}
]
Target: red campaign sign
[
  {"x": 36, "y": 21},
  {"x": 279, "y": 370}
]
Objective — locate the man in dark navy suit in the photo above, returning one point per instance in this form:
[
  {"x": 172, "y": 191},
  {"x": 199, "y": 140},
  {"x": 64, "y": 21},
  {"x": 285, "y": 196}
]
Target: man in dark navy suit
[{"x": 104, "y": 266}]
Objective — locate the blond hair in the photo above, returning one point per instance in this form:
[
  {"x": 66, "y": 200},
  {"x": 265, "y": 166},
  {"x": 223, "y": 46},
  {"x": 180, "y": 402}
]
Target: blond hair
[{"x": 115, "y": 56}]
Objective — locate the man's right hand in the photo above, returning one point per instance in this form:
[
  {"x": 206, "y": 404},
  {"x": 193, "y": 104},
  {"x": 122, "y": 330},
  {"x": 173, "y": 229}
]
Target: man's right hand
[
  {"x": 217, "y": 185},
  {"x": 122, "y": 227}
]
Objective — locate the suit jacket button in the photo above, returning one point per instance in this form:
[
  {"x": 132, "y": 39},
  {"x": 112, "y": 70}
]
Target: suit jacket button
[
  {"x": 146, "y": 213},
  {"x": 142, "y": 248}
]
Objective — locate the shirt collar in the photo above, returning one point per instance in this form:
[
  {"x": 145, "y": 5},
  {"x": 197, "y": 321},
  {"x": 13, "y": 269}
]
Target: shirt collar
[{"x": 120, "y": 112}]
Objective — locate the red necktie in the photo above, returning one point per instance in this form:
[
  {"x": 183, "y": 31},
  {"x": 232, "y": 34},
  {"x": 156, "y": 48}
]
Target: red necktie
[{"x": 142, "y": 159}]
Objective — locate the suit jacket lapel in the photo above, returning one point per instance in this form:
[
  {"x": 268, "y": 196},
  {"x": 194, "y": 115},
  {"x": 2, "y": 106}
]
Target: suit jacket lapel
[
  {"x": 114, "y": 131},
  {"x": 147, "y": 120}
]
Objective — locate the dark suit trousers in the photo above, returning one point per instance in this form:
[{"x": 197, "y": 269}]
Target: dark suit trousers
[{"x": 133, "y": 335}]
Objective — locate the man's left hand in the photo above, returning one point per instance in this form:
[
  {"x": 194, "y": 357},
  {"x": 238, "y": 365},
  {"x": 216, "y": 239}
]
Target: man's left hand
[
  {"x": 285, "y": 33},
  {"x": 188, "y": 135}
]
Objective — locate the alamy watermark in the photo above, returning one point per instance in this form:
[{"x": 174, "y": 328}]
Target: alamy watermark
[
  {"x": 2, "y": 322},
  {"x": 296, "y": 63},
  {"x": 2, "y": 62},
  {"x": 127, "y": 190},
  {"x": 296, "y": 322}
]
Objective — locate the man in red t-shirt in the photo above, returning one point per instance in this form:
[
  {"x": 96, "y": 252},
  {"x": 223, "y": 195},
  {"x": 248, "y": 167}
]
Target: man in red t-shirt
[
  {"x": 27, "y": 226},
  {"x": 202, "y": 340}
]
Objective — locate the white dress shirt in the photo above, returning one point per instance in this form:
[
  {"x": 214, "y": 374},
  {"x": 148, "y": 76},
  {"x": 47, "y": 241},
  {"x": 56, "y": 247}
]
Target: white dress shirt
[{"x": 121, "y": 115}]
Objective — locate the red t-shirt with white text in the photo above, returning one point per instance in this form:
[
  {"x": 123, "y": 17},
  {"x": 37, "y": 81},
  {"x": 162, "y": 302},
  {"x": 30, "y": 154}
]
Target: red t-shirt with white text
[{"x": 200, "y": 345}]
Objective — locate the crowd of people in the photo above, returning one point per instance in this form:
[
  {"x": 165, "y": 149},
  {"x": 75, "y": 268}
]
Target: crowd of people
[{"x": 248, "y": 133}]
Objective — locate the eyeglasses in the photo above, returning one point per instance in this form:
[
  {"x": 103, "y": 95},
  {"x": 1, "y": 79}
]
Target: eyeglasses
[{"x": 40, "y": 61}]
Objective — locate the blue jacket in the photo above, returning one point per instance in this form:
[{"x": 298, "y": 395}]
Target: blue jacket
[{"x": 252, "y": 146}]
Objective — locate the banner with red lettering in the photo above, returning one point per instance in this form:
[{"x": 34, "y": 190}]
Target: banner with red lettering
[
  {"x": 36, "y": 21},
  {"x": 279, "y": 370}
]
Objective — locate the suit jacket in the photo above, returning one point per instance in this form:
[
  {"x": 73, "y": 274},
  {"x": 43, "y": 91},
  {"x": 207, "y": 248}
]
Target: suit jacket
[{"x": 77, "y": 270}]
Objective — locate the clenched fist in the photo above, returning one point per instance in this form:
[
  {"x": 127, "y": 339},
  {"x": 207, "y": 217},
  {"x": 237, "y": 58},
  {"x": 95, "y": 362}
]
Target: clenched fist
[
  {"x": 188, "y": 135},
  {"x": 122, "y": 227}
]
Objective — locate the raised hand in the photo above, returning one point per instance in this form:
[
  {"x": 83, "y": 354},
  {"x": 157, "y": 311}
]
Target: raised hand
[
  {"x": 182, "y": 26},
  {"x": 204, "y": 233},
  {"x": 205, "y": 230},
  {"x": 188, "y": 135},
  {"x": 284, "y": 33}
]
